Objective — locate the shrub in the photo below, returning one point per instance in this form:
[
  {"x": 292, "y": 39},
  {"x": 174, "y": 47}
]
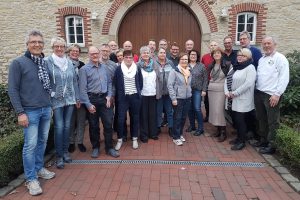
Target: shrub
[
  {"x": 290, "y": 105},
  {"x": 288, "y": 145},
  {"x": 11, "y": 157},
  {"x": 8, "y": 120}
]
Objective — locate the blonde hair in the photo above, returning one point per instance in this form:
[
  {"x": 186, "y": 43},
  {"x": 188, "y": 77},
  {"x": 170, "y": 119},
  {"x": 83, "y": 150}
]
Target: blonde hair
[{"x": 245, "y": 52}]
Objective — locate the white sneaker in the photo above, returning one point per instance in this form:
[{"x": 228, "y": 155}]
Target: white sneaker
[
  {"x": 119, "y": 144},
  {"x": 182, "y": 138},
  {"x": 135, "y": 143},
  {"x": 45, "y": 174},
  {"x": 34, "y": 187},
  {"x": 178, "y": 142}
]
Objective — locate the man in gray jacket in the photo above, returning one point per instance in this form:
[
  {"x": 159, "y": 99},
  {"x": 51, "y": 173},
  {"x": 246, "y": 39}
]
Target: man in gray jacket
[{"x": 29, "y": 89}]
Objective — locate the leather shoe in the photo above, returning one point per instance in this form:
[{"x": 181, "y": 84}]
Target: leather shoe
[
  {"x": 190, "y": 129},
  {"x": 113, "y": 153},
  {"x": 81, "y": 148},
  {"x": 260, "y": 144},
  {"x": 124, "y": 139},
  {"x": 95, "y": 153},
  {"x": 198, "y": 133},
  {"x": 267, "y": 150},
  {"x": 238, "y": 146},
  {"x": 71, "y": 148},
  {"x": 234, "y": 141},
  {"x": 154, "y": 137},
  {"x": 144, "y": 140}
]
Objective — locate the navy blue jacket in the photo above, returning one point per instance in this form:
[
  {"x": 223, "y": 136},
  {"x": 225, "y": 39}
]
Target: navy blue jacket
[{"x": 119, "y": 83}]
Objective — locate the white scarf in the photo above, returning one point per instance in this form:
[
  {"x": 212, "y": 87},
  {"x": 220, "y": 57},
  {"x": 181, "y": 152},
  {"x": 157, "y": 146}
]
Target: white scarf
[
  {"x": 61, "y": 62},
  {"x": 129, "y": 72}
]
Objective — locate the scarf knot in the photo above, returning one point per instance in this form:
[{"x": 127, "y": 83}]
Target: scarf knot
[{"x": 149, "y": 66}]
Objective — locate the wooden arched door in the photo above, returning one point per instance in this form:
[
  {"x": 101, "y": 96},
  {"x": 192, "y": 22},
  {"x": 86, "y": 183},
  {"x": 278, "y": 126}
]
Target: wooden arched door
[{"x": 157, "y": 19}]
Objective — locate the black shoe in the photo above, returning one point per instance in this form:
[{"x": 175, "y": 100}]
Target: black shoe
[
  {"x": 71, "y": 148},
  {"x": 81, "y": 148},
  {"x": 113, "y": 153},
  {"x": 234, "y": 141},
  {"x": 164, "y": 123},
  {"x": 171, "y": 132},
  {"x": 205, "y": 119},
  {"x": 267, "y": 150},
  {"x": 198, "y": 133},
  {"x": 144, "y": 140},
  {"x": 190, "y": 129},
  {"x": 238, "y": 146},
  {"x": 260, "y": 144},
  {"x": 154, "y": 137},
  {"x": 124, "y": 139}
]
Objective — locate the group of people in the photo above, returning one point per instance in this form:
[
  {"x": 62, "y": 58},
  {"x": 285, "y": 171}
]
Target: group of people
[{"x": 150, "y": 89}]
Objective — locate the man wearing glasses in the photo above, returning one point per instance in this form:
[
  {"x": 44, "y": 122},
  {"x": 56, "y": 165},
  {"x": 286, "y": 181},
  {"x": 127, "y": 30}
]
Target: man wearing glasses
[
  {"x": 29, "y": 91},
  {"x": 174, "y": 53}
]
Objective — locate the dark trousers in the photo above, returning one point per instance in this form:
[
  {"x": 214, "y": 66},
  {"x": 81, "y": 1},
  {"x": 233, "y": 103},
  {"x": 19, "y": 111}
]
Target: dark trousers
[
  {"x": 239, "y": 119},
  {"x": 116, "y": 120},
  {"x": 148, "y": 117},
  {"x": 268, "y": 117},
  {"x": 106, "y": 115},
  {"x": 179, "y": 116},
  {"x": 206, "y": 105},
  {"x": 131, "y": 103}
]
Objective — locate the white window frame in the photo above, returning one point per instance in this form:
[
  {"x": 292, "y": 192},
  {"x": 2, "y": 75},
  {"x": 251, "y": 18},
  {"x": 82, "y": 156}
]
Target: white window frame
[
  {"x": 75, "y": 30},
  {"x": 237, "y": 42}
]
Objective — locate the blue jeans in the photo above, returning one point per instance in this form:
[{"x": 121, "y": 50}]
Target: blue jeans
[
  {"x": 35, "y": 140},
  {"x": 195, "y": 110},
  {"x": 62, "y": 126},
  {"x": 180, "y": 114},
  {"x": 164, "y": 102}
]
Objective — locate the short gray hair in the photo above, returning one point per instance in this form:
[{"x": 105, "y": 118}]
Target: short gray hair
[
  {"x": 58, "y": 40},
  {"x": 246, "y": 33},
  {"x": 274, "y": 40},
  {"x": 33, "y": 33},
  {"x": 73, "y": 46},
  {"x": 144, "y": 49}
]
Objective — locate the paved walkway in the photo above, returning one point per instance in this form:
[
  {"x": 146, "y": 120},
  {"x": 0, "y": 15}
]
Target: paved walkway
[{"x": 163, "y": 181}]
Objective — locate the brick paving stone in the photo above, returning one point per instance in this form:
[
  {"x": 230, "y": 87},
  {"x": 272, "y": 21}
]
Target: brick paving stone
[{"x": 218, "y": 193}]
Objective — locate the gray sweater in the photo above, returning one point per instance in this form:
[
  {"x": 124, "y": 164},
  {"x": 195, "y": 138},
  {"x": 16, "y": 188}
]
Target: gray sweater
[
  {"x": 25, "y": 90},
  {"x": 199, "y": 77}
]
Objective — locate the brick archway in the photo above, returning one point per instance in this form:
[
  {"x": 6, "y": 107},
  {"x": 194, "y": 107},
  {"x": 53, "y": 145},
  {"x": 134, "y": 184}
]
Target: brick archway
[
  {"x": 209, "y": 26},
  {"x": 261, "y": 12}
]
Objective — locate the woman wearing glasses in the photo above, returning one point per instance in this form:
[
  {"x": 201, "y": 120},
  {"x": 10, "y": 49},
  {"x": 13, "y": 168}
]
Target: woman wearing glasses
[
  {"x": 239, "y": 92},
  {"x": 180, "y": 91},
  {"x": 64, "y": 95}
]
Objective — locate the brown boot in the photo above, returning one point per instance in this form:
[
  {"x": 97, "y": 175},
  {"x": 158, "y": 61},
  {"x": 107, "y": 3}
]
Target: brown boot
[
  {"x": 223, "y": 135},
  {"x": 218, "y": 133}
]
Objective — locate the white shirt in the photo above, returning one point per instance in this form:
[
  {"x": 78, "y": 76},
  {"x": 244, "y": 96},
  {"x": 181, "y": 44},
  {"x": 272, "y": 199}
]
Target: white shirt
[
  {"x": 272, "y": 74},
  {"x": 149, "y": 83}
]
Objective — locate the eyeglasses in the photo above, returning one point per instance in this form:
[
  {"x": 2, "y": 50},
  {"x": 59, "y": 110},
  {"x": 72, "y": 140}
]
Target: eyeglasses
[
  {"x": 75, "y": 51},
  {"x": 184, "y": 59},
  {"x": 57, "y": 46},
  {"x": 36, "y": 42}
]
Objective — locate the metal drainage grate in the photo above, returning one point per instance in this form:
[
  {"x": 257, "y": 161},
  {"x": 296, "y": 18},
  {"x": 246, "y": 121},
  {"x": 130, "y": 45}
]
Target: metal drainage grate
[{"x": 170, "y": 162}]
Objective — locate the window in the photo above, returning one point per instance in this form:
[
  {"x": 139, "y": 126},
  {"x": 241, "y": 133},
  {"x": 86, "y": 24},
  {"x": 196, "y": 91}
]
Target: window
[
  {"x": 246, "y": 21},
  {"x": 74, "y": 30}
]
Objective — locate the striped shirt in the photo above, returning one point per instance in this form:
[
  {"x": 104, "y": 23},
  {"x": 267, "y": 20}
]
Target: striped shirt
[{"x": 129, "y": 85}]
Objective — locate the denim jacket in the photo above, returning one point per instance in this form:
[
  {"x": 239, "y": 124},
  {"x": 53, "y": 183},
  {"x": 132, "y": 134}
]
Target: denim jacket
[{"x": 64, "y": 85}]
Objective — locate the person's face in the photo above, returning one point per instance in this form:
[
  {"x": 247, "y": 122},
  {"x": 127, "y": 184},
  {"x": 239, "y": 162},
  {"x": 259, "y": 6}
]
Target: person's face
[
  {"x": 74, "y": 53},
  {"x": 268, "y": 46},
  {"x": 183, "y": 61},
  {"x": 120, "y": 57},
  {"x": 161, "y": 54},
  {"x": 127, "y": 46},
  {"x": 94, "y": 55},
  {"x": 152, "y": 46},
  {"x": 35, "y": 45},
  {"x": 189, "y": 45},
  {"x": 228, "y": 44},
  {"x": 163, "y": 44},
  {"x": 213, "y": 45},
  {"x": 217, "y": 55},
  {"x": 59, "y": 49},
  {"x": 113, "y": 46},
  {"x": 193, "y": 56},
  {"x": 244, "y": 41},
  {"x": 145, "y": 55},
  {"x": 174, "y": 51},
  {"x": 128, "y": 60},
  {"x": 241, "y": 58},
  {"x": 105, "y": 51}
]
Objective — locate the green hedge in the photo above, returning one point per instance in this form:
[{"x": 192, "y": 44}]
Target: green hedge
[
  {"x": 11, "y": 157},
  {"x": 288, "y": 145}
]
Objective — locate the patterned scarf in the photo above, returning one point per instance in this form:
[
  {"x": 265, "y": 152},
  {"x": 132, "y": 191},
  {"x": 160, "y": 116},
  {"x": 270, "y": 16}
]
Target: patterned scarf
[
  {"x": 186, "y": 73},
  {"x": 149, "y": 67},
  {"x": 42, "y": 71}
]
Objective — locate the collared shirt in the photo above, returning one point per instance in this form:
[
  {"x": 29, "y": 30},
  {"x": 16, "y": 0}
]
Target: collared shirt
[
  {"x": 94, "y": 79},
  {"x": 272, "y": 74},
  {"x": 231, "y": 58}
]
